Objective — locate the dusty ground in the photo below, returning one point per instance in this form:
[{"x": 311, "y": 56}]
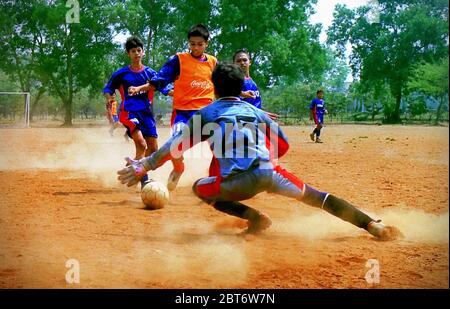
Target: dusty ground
[{"x": 60, "y": 201}]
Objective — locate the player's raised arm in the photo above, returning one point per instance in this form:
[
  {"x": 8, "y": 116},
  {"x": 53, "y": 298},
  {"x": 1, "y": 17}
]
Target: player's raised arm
[{"x": 173, "y": 148}]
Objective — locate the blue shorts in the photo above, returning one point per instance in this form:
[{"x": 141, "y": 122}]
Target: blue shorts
[
  {"x": 115, "y": 118},
  {"x": 179, "y": 119},
  {"x": 318, "y": 118},
  {"x": 139, "y": 120}
]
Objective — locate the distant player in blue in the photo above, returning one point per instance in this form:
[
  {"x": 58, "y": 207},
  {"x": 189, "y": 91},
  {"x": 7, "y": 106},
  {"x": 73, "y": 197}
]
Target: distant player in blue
[
  {"x": 250, "y": 92},
  {"x": 135, "y": 109},
  {"x": 246, "y": 144},
  {"x": 316, "y": 112}
]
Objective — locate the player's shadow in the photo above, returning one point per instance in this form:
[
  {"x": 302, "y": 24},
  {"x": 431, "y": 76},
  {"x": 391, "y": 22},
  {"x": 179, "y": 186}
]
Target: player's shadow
[
  {"x": 121, "y": 203},
  {"x": 86, "y": 191}
]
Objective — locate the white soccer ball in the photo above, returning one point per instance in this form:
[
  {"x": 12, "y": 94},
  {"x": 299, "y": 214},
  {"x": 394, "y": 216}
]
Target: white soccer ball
[{"x": 155, "y": 195}]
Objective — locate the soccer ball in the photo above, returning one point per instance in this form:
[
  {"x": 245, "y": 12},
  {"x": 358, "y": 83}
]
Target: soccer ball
[{"x": 155, "y": 195}]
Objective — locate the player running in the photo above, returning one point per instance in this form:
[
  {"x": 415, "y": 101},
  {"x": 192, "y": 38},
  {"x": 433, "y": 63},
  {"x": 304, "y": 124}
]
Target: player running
[
  {"x": 316, "y": 112},
  {"x": 135, "y": 113}
]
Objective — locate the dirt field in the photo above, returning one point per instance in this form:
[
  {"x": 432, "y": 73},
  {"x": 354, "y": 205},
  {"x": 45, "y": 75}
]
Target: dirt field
[{"x": 60, "y": 200}]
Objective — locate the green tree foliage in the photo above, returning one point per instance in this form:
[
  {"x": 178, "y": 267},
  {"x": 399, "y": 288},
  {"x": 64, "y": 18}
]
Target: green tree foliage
[
  {"x": 386, "y": 50},
  {"x": 283, "y": 45},
  {"x": 19, "y": 34},
  {"x": 63, "y": 56},
  {"x": 431, "y": 79}
]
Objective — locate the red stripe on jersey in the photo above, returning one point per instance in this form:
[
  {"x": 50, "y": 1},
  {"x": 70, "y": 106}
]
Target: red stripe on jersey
[
  {"x": 122, "y": 94},
  {"x": 151, "y": 94},
  {"x": 172, "y": 118},
  {"x": 291, "y": 177},
  {"x": 272, "y": 142}
]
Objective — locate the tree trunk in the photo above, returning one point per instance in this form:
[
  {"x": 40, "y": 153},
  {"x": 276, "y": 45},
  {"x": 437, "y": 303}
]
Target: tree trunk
[
  {"x": 35, "y": 102},
  {"x": 68, "y": 103},
  {"x": 396, "y": 114},
  {"x": 439, "y": 110}
]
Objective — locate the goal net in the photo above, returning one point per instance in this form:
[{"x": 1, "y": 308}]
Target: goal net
[{"x": 15, "y": 109}]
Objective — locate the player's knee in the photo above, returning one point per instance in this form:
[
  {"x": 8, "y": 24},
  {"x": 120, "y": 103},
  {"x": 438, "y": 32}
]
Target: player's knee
[
  {"x": 313, "y": 197},
  {"x": 141, "y": 144}
]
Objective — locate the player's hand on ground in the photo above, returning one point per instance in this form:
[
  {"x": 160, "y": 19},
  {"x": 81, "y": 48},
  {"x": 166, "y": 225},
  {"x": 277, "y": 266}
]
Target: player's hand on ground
[
  {"x": 131, "y": 174},
  {"x": 248, "y": 94}
]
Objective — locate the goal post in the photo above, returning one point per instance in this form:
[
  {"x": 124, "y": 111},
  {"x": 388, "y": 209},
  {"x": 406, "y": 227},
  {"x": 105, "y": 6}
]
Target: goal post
[{"x": 11, "y": 110}]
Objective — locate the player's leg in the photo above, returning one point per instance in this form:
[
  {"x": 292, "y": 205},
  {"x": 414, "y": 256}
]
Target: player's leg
[
  {"x": 152, "y": 145},
  {"x": 225, "y": 195},
  {"x": 178, "y": 121},
  {"x": 314, "y": 132},
  {"x": 149, "y": 131},
  {"x": 287, "y": 184},
  {"x": 132, "y": 121},
  {"x": 318, "y": 128}
]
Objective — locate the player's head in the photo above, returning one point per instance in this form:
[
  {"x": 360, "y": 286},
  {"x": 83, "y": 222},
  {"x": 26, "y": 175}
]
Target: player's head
[
  {"x": 134, "y": 48},
  {"x": 198, "y": 37},
  {"x": 319, "y": 93},
  {"x": 241, "y": 57},
  {"x": 228, "y": 80}
]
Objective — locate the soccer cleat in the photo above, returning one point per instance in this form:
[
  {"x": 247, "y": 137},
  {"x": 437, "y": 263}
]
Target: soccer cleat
[
  {"x": 383, "y": 232},
  {"x": 172, "y": 182},
  {"x": 261, "y": 223},
  {"x": 318, "y": 140},
  {"x": 312, "y": 136}
]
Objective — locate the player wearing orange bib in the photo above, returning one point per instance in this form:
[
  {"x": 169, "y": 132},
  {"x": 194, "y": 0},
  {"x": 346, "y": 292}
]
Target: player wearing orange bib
[{"x": 193, "y": 88}]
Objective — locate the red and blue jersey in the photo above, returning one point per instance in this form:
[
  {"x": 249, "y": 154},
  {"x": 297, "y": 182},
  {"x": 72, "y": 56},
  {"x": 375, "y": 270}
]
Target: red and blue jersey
[
  {"x": 240, "y": 136},
  {"x": 249, "y": 84},
  {"x": 126, "y": 77},
  {"x": 318, "y": 107}
]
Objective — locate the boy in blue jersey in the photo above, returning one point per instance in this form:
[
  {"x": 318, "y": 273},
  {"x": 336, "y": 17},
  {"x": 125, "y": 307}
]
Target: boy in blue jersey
[
  {"x": 316, "y": 112},
  {"x": 250, "y": 92},
  {"x": 135, "y": 110},
  {"x": 245, "y": 160}
]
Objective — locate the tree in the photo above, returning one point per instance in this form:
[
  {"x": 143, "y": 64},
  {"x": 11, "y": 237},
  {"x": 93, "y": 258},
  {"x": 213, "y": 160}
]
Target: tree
[
  {"x": 407, "y": 32},
  {"x": 283, "y": 46},
  {"x": 66, "y": 47},
  {"x": 161, "y": 24},
  {"x": 336, "y": 74},
  {"x": 431, "y": 79},
  {"x": 19, "y": 33}
]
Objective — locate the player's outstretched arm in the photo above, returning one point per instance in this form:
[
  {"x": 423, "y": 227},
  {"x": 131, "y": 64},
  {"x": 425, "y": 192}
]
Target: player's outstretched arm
[{"x": 131, "y": 174}]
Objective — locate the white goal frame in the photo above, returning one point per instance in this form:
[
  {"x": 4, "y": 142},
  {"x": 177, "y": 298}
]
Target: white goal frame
[{"x": 27, "y": 104}]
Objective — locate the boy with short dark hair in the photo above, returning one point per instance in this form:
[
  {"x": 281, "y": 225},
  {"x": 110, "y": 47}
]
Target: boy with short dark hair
[{"x": 135, "y": 112}]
